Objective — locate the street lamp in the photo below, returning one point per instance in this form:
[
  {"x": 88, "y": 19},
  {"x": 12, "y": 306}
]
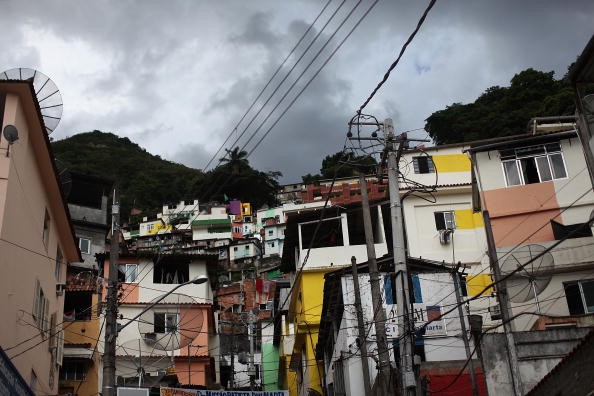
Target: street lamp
[{"x": 196, "y": 281}]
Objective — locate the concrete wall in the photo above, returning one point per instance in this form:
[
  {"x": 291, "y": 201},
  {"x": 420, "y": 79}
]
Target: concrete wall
[
  {"x": 538, "y": 353},
  {"x": 28, "y": 188}
]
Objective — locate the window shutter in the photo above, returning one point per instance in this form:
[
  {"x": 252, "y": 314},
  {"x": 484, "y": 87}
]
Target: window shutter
[
  {"x": 59, "y": 347},
  {"x": 45, "y": 320},
  {"x": 36, "y": 301}
]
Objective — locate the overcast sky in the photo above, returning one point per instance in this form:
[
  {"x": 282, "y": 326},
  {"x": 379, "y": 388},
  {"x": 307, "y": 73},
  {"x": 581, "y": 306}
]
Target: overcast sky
[{"x": 176, "y": 76}]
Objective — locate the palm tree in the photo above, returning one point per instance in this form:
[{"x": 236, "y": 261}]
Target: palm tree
[{"x": 236, "y": 159}]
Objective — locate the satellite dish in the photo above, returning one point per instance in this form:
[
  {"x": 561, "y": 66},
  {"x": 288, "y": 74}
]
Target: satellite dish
[
  {"x": 532, "y": 279},
  {"x": 47, "y": 92},
  {"x": 145, "y": 366},
  {"x": 173, "y": 323},
  {"x": 11, "y": 134}
]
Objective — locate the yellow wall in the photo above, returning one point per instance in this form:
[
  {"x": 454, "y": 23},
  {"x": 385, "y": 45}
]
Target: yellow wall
[
  {"x": 84, "y": 332},
  {"x": 305, "y": 312},
  {"x": 451, "y": 163},
  {"x": 476, "y": 283},
  {"x": 466, "y": 219}
]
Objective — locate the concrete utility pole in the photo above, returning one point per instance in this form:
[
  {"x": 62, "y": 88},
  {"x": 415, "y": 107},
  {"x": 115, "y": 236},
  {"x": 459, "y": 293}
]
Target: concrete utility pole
[
  {"x": 361, "y": 328},
  {"x": 408, "y": 380},
  {"x": 111, "y": 306},
  {"x": 379, "y": 314},
  {"x": 457, "y": 287},
  {"x": 501, "y": 289},
  {"x": 251, "y": 367}
]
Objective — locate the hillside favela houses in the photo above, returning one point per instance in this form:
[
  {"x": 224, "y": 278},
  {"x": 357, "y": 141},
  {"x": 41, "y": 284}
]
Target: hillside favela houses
[{"x": 226, "y": 298}]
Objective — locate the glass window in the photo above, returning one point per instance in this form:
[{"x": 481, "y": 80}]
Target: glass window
[
  {"x": 558, "y": 166},
  {"x": 128, "y": 273},
  {"x": 58, "y": 265},
  {"x": 580, "y": 297},
  {"x": 533, "y": 164},
  {"x": 84, "y": 244},
  {"x": 423, "y": 164},
  {"x": 543, "y": 168},
  {"x": 512, "y": 176},
  {"x": 165, "y": 323}
]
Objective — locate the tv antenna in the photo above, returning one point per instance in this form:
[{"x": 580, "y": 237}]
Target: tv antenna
[{"x": 47, "y": 93}]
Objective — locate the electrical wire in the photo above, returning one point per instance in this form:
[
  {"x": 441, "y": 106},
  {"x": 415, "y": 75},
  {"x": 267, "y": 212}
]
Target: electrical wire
[{"x": 395, "y": 63}]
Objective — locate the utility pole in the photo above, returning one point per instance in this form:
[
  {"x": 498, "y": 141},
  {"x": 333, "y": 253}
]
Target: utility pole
[
  {"x": 457, "y": 288},
  {"x": 408, "y": 380},
  {"x": 251, "y": 367},
  {"x": 111, "y": 332},
  {"x": 501, "y": 291},
  {"x": 379, "y": 314},
  {"x": 361, "y": 328}
]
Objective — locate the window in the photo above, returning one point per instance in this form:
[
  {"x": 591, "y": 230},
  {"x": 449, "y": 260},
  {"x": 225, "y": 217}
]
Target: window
[
  {"x": 73, "y": 371},
  {"x": 580, "y": 297},
  {"x": 171, "y": 271},
  {"x": 40, "y": 308},
  {"x": 84, "y": 244},
  {"x": 165, "y": 322},
  {"x": 127, "y": 273},
  {"x": 269, "y": 232},
  {"x": 58, "y": 265},
  {"x": 423, "y": 164},
  {"x": 78, "y": 305},
  {"x": 533, "y": 164},
  {"x": 271, "y": 244},
  {"x": 46, "y": 226},
  {"x": 445, "y": 220}
]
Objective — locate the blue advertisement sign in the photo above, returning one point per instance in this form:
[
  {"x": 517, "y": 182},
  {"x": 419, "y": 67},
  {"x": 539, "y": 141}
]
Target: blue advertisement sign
[{"x": 11, "y": 382}]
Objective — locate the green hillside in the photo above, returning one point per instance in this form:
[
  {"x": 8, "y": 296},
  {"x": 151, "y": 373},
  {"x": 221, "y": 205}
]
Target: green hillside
[
  {"x": 147, "y": 181},
  {"x": 144, "y": 180}
]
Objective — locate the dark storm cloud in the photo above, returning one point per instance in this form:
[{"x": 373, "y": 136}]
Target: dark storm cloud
[{"x": 177, "y": 77}]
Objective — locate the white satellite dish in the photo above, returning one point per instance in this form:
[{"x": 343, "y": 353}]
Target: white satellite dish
[{"x": 47, "y": 92}]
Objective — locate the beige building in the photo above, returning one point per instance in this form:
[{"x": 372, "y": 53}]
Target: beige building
[{"x": 36, "y": 242}]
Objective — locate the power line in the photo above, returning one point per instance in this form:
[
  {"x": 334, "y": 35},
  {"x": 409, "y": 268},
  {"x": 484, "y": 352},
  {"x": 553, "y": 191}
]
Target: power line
[
  {"x": 393, "y": 65},
  {"x": 268, "y": 83}
]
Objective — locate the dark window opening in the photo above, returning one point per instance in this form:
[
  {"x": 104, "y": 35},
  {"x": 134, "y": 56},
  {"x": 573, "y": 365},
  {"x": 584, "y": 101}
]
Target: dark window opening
[
  {"x": 329, "y": 234},
  {"x": 529, "y": 170},
  {"x": 78, "y": 305},
  {"x": 165, "y": 323},
  {"x": 580, "y": 297},
  {"x": 73, "y": 370},
  {"x": 357, "y": 229},
  {"x": 423, "y": 164},
  {"x": 171, "y": 272}
]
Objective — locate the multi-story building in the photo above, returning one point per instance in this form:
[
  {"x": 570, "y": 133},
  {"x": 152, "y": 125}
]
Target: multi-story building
[
  {"x": 177, "y": 335},
  {"x": 311, "y": 255},
  {"x": 538, "y": 195},
  {"x": 36, "y": 241},
  {"x": 439, "y": 346},
  {"x": 81, "y": 365}
]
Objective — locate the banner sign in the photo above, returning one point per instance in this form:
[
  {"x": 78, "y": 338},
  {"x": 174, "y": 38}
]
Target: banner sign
[
  {"x": 422, "y": 314},
  {"x": 193, "y": 392},
  {"x": 11, "y": 382}
]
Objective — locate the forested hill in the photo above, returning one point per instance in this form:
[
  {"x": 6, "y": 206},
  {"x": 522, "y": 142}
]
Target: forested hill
[
  {"x": 144, "y": 180},
  {"x": 147, "y": 181},
  {"x": 503, "y": 111}
]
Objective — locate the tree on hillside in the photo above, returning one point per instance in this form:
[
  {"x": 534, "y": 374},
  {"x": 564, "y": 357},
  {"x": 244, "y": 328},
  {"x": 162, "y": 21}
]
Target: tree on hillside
[
  {"x": 235, "y": 159},
  {"x": 341, "y": 164},
  {"x": 502, "y": 111}
]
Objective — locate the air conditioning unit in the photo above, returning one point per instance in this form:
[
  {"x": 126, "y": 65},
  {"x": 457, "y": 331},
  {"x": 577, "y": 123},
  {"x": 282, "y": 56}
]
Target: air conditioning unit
[
  {"x": 445, "y": 236},
  {"x": 60, "y": 287},
  {"x": 495, "y": 311},
  {"x": 150, "y": 338}
]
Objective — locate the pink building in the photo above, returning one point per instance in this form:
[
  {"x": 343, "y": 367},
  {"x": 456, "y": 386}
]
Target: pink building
[{"x": 36, "y": 242}]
